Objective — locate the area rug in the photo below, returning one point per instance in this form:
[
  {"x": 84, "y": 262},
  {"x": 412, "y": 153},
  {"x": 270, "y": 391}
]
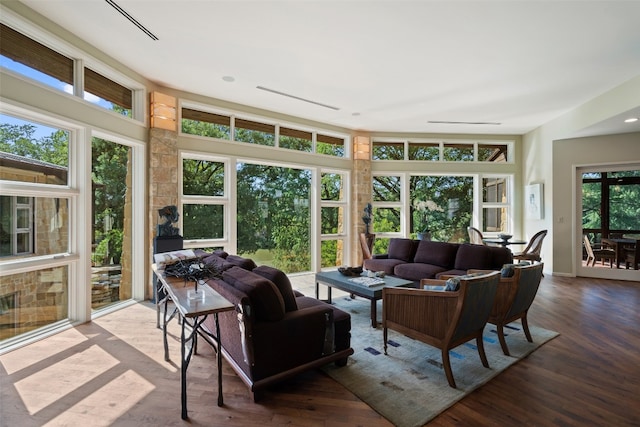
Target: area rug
[{"x": 408, "y": 386}]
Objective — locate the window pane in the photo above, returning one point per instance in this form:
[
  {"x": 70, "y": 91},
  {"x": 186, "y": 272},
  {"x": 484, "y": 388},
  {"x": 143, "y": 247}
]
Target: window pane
[
  {"x": 274, "y": 214},
  {"x": 294, "y": 139},
  {"x": 386, "y": 188},
  {"x": 388, "y": 150},
  {"x": 254, "y": 132},
  {"x": 386, "y": 220},
  {"x": 202, "y": 177},
  {"x": 591, "y": 196},
  {"x": 31, "y": 300},
  {"x": 492, "y": 153},
  {"x": 624, "y": 207},
  {"x": 34, "y": 60},
  {"x": 331, "y": 187},
  {"x": 31, "y": 152},
  {"x": 196, "y": 122},
  {"x": 444, "y": 206},
  {"x": 458, "y": 152},
  {"x": 494, "y": 190},
  {"x": 494, "y": 219},
  {"x": 106, "y": 93},
  {"x": 329, "y": 145},
  {"x": 112, "y": 217},
  {"x": 332, "y": 220},
  {"x": 424, "y": 151},
  {"x": 33, "y": 226},
  {"x": 332, "y": 253},
  {"x": 203, "y": 221}
]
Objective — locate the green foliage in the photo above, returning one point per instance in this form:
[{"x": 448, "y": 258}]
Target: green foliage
[
  {"x": 20, "y": 140},
  {"x": 213, "y": 130}
]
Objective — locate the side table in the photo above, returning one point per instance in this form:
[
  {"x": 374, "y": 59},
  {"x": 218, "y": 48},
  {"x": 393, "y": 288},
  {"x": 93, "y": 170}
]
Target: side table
[{"x": 193, "y": 312}]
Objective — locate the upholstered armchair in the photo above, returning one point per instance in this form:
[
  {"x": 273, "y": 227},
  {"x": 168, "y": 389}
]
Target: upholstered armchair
[{"x": 442, "y": 319}]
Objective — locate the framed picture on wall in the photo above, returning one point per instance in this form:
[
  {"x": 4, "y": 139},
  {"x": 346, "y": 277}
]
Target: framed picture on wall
[{"x": 533, "y": 201}]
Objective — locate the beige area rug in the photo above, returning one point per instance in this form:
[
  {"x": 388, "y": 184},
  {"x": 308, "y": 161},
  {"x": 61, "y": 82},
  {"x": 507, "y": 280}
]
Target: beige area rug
[{"x": 408, "y": 386}]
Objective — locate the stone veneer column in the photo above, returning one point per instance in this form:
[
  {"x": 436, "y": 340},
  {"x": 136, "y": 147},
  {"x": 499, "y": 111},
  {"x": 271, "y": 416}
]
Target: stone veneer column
[
  {"x": 163, "y": 163},
  {"x": 361, "y": 189}
]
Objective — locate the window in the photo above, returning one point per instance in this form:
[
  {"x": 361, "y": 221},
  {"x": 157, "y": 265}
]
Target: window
[
  {"x": 254, "y": 132},
  {"x": 108, "y": 94},
  {"x": 457, "y": 152},
  {"x": 441, "y": 206},
  {"x": 383, "y": 150},
  {"x": 219, "y": 125},
  {"x": 34, "y": 60},
  {"x": 495, "y": 205},
  {"x": 610, "y": 203},
  {"x": 33, "y": 152},
  {"x": 424, "y": 151},
  {"x": 333, "y": 210},
  {"x": 330, "y": 145},
  {"x": 196, "y": 122},
  {"x": 293, "y": 139},
  {"x": 203, "y": 199},
  {"x": 449, "y": 151},
  {"x": 387, "y": 209},
  {"x": 273, "y": 215}
]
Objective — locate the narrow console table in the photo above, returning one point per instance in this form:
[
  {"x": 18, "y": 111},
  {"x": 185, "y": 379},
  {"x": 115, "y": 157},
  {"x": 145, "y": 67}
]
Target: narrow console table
[{"x": 192, "y": 311}]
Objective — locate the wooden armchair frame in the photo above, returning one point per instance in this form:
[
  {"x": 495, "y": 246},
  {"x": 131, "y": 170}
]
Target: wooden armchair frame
[
  {"x": 532, "y": 251},
  {"x": 442, "y": 319},
  {"x": 475, "y": 236},
  {"x": 513, "y": 300}
]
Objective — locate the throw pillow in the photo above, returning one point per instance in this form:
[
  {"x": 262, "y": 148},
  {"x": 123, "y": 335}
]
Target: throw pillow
[
  {"x": 402, "y": 249},
  {"x": 280, "y": 279}
]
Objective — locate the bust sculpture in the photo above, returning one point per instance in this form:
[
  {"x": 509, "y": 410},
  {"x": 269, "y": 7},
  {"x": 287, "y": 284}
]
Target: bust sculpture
[{"x": 170, "y": 216}]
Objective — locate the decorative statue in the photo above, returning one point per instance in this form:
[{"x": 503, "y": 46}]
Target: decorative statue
[{"x": 170, "y": 215}]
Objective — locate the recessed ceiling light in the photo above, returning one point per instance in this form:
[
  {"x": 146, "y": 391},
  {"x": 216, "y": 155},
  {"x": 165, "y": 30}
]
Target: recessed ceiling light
[
  {"x": 229, "y": 79},
  {"x": 631, "y": 120}
]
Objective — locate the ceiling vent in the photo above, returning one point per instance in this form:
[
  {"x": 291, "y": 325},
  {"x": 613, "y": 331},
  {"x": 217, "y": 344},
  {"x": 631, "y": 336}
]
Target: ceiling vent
[
  {"x": 133, "y": 20},
  {"x": 445, "y": 122},
  {"x": 297, "y": 97}
]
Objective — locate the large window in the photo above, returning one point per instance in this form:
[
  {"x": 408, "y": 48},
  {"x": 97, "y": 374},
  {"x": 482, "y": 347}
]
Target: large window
[
  {"x": 273, "y": 215},
  {"x": 34, "y": 224},
  {"x": 439, "y": 207}
]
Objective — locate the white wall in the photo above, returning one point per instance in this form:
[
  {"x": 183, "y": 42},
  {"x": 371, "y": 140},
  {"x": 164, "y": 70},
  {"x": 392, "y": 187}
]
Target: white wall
[{"x": 548, "y": 160}]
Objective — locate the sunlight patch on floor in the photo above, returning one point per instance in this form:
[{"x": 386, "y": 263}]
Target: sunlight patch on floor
[
  {"x": 68, "y": 375},
  {"x": 107, "y": 404}
]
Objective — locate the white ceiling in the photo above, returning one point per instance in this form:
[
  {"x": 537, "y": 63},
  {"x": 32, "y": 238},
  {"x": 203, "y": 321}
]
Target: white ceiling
[{"x": 385, "y": 65}]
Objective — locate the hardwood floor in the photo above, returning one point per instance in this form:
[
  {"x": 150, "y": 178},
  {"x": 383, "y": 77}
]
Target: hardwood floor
[{"x": 112, "y": 372}]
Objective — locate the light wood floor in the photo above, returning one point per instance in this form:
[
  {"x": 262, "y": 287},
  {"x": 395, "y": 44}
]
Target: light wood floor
[{"x": 112, "y": 372}]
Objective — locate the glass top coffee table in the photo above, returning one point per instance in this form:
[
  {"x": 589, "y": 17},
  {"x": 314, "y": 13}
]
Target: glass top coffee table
[{"x": 334, "y": 279}]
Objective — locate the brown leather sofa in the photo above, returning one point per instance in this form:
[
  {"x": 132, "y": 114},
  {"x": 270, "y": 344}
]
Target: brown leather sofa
[
  {"x": 275, "y": 332},
  {"x": 424, "y": 259}
]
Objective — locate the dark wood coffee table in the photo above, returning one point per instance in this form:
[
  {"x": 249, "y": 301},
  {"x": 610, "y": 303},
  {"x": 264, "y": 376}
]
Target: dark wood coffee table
[{"x": 334, "y": 279}]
